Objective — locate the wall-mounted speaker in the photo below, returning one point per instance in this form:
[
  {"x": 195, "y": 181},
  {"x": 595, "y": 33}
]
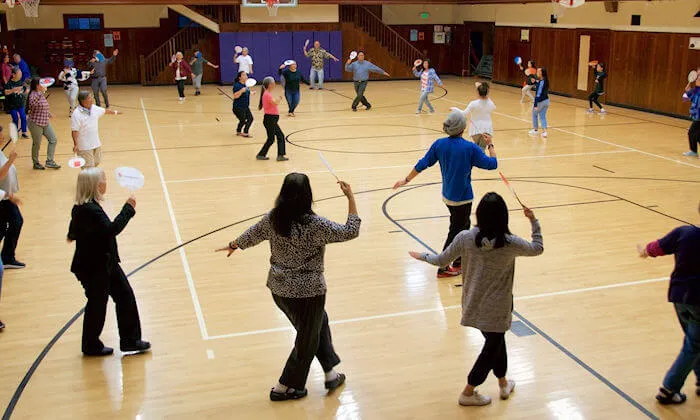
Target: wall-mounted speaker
[
  {"x": 611, "y": 6},
  {"x": 636, "y": 20}
]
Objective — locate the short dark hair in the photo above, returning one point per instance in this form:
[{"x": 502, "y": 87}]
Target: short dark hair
[{"x": 483, "y": 89}]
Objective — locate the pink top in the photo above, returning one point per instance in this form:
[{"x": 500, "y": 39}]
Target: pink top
[
  {"x": 269, "y": 106},
  {"x": 6, "y": 72}
]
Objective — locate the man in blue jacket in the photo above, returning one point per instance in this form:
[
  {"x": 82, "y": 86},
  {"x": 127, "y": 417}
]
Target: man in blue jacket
[
  {"x": 457, "y": 156},
  {"x": 360, "y": 75},
  {"x": 26, "y": 72}
]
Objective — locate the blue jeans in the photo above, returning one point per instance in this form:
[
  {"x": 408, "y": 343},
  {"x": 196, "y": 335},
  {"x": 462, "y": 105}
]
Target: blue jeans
[
  {"x": 19, "y": 116},
  {"x": 689, "y": 357},
  {"x": 541, "y": 112},
  {"x": 312, "y": 76},
  {"x": 424, "y": 100},
  {"x": 293, "y": 99}
]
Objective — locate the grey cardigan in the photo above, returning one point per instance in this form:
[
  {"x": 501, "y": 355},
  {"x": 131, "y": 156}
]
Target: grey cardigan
[{"x": 487, "y": 276}]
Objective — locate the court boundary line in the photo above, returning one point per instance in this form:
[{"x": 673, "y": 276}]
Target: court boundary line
[
  {"x": 178, "y": 239},
  {"x": 441, "y": 308}
]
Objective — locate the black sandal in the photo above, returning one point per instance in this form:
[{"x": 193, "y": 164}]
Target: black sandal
[
  {"x": 335, "y": 383},
  {"x": 290, "y": 394}
]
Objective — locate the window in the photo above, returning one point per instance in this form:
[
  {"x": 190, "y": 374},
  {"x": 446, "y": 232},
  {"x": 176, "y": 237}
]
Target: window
[{"x": 83, "y": 22}]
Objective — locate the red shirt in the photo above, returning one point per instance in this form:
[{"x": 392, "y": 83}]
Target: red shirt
[
  {"x": 185, "y": 69},
  {"x": 6, "y": 72}
]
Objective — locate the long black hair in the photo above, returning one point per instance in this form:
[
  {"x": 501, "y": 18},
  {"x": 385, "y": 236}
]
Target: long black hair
[
  {"x": 33, "y": 84},
  {"x": 492, "y": 220},
  {"x": 238, "y": 76},
  {"x": 293, "y": 203},
  {"x": 265, "y": 83},
  {"x": 420, "y": 66},
  {"x": 545, "y": 78}
]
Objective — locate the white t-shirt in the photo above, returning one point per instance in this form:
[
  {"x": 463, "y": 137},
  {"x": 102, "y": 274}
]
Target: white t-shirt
[
  {"x": 9, "y": 184},
  {"x": 479, "y": 112},
  {"x": 85, "y": 123},
  {"x": 244, "y": 63}
]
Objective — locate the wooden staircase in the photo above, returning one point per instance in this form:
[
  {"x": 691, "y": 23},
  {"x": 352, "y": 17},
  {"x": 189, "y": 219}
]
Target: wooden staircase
[
  {"x": 220, "y": 14},
  {"x": 155, "y": 66},
  {"x": 383, "y": 45}
]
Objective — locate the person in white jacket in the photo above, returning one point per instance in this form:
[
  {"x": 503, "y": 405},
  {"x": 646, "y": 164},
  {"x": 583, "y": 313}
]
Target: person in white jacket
[
  {"x": 478, "y": 113},
  {"x": 70, "y": 76}
]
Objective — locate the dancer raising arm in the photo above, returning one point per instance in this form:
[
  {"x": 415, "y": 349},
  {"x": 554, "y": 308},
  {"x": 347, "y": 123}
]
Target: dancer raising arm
[
  {"x": 530, "y": 80},
  {"x": 457, "y": 157},
  {"x": 298, "y": 240},
  {"x": 292, "y": 80},
  {"x": 428, "y": 77},
  {"x": 489, "y": 251},
  {"x": 271, "y": 119},
  {"x": 360, "y": 75},
  {"x": 241, "y": 104},
  {"x": 598, "y": 88},
  {"x": 692, "y": 94},
  {"x": 317, "y": 55}
]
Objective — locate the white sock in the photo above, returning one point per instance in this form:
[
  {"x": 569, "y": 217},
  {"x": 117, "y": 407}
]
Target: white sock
[
  {"x": 280, "y": 388},
  {"x": 331, "y": 375}
]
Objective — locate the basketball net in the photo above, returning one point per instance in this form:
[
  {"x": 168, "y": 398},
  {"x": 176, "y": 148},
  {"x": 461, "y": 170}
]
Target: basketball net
[
  {"x": 31, "y": 7},
  {"x": 558, "y": 6},
  {"x": 272, "y": 6}
]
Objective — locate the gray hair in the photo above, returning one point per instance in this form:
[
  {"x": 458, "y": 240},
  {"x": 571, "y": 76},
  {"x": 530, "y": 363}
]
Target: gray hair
[
  {"x": 83, "y": 95},
  {"x": 455, "y": 124},
  {"x": 88, "y": 189},
  {"x": 244, "y": 49}
]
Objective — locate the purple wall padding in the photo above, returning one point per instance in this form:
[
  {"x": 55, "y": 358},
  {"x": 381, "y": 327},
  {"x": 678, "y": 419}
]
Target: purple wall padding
[{"x": 270, "y": 49}]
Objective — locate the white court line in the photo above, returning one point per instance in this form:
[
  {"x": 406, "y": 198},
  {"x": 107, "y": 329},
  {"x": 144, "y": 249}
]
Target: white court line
[
  {"x": 178, "y": 239},
  {"x": 442, "y": 308},
  {"x": 375, "y": 168},
  {"x": 609, "y": 143}
]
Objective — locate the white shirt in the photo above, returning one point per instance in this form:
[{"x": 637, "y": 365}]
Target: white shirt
[
  {"x": 479, "y": 112},
  {"x": 85, "y": 123},
  {"x": 9, "y": 184},
  {"x": 244, "y": 63}
]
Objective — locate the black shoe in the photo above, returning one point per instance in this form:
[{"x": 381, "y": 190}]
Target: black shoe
[
  {"x": 291, "y": 394},
  {"x": 354, "y": 110},
  {"x": 52, "y": 164},
  {"x": 2, "y": 325},
  {"x": 281, "y": 158},
  {"x": 368, "y": 108},
  {"x": 104, "y": 351},
  {"x": 25, "y": 136},
  {"x": 197, "y": 93},
  {"x": 39, "y": 166},
  {"x": 335, "y": 383},
  {"x": 667, "y": 397},
  {"x": 136, "y": 348},
  {"x": 14, "y": 265},
  {"x": 261, "y": 157}
]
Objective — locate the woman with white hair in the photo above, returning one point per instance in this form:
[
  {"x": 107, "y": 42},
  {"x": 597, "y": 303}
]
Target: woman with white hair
[
  {"x": 244, "y": 61},
  {"x": 96, "y": 265},
  {"x": 182, "y": 71},
  {"x": 70, "y": 76}
]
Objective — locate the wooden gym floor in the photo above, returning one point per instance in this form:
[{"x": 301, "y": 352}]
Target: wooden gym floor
[{"x": 595, "y": 333}]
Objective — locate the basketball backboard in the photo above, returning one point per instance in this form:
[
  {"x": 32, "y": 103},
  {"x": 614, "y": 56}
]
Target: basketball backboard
[{"x": 263, "y": 3}]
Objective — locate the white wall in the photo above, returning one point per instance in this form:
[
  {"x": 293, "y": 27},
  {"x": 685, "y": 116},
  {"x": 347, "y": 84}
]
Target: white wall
[
  {"x": 657, "y": 16},
  {"x": 312, "y": 13},
  {"x": 124, "y": 16}
]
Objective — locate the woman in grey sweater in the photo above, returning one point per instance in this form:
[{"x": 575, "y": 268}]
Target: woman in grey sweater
[
  {"x": 298, "y": 239},
  {"x": 488, "y": 254}
]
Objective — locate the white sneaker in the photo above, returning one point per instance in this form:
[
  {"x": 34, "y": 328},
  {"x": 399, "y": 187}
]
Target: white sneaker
[
  {"x": 533, "y": 132},
  {"x": 589, "y": 110},
  {"x": 544, "y": 134},
  {"x": 603, "y": 111},
  {"x": 690, "y": 153},
  {"x": 507, "y": 390},
  {"x": 418, "y": 112},
  {"x": 474, "y": 399}
]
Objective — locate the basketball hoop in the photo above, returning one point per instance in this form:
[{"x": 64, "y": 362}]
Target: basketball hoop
[
  {"x": 272, "y": 6},
  {"x": 558, "y": 6},
  {"x": 31, "y": 7}
]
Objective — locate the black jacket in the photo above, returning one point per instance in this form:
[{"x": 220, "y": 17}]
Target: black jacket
[{"x": 95, "y": 237}]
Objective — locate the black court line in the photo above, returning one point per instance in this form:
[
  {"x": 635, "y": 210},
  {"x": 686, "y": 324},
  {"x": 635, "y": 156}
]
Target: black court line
[
  {"x": 603, "y": 169},
  {"x": 532, "y": 326},
  {"x": 42, "y": 355}
]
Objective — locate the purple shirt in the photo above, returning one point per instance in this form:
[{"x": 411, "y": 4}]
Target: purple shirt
[{"x": 684, "y": 243}]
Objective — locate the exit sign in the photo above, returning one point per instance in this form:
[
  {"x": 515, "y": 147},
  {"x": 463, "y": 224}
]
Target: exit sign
[{"x": 424, "y": 15}]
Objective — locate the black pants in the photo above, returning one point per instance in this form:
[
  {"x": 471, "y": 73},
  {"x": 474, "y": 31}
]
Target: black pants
[
  {"x": 245, "y": 119},
  {"x": 313, "y": 339},
  {"x": 493, "y": 357},
  {"x": 181, "y": 88},
  {"x": 97, "y": 289},
  {"x": 360, "y": 94},
  {"x": 273, "y": 130},
  {"x": 11, "y": 222},
  {"x": 459, "y": 221},
  {"x": 593, "y": 99},
  {"x": 693, "y": 136}
]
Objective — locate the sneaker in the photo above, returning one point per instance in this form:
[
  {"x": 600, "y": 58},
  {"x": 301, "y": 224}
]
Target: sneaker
[
  {"x": 311, "y": 88},
  {"x": 366, "y": 109},
  {"x": 197, "y": 93},
  {"x": 507, "y": 390},
  {"x": 335, "y": 383},
  {"x": 544, "y": 134},
  {"x": 448, "y": 272},
  {"x": 260, "y": 157},
  {"x": 238, "y": 133},
  {"x": 290, "y": 394},
  {"x": 432, "y": 111},
  {"x": 14, "y": 265},
  {"x": 603, "y": 111},
  {"x": 52, "y": 164},
  {"x": 419, "y": 111},
  {"x": 246, "y": 135},
  {"x": 533, "y": 132},
  {"x": 104, "y": 351},
  {"x": 136, "y": 348},
  {"x": 354, "y": 110},
  {"x": 474, "y": 399},
  {"x": 25, "y": 136},
  {"x": 589, "y": 110},
  {"x": 292, "y": 115},
  {"x": 282, "y": 158},
  {"x": 2, "y": 325},
  {"x": 38, "y": 166},
  {"x": 667, "y": 397},
  {"x": 690, "y": 153}
]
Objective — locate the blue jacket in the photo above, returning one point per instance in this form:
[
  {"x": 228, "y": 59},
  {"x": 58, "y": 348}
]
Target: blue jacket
[
  {"x": 432, "y": 76},
  {"x": 361, "y": 70},
  {"x": 26, "y": 72},
  {"x": 457, "y": 156},
  {"x": 542, "y": 93},
  {"x": 693, "y": 95}
]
